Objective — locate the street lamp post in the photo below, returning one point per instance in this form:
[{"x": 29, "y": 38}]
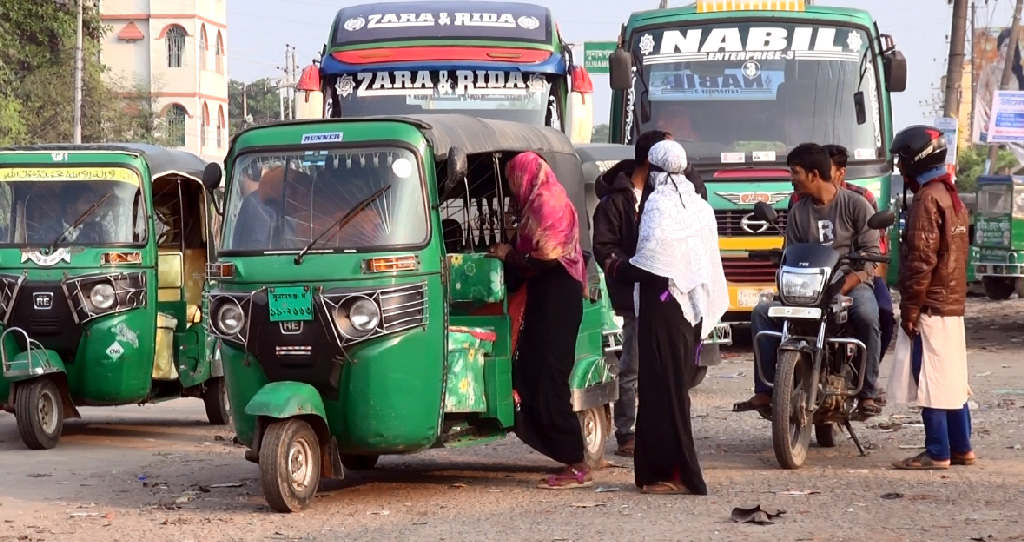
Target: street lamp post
[{"x": 77, "y": 120}]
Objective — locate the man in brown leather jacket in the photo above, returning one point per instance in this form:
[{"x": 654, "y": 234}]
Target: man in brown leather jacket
[{"x": 933, "y": 295}]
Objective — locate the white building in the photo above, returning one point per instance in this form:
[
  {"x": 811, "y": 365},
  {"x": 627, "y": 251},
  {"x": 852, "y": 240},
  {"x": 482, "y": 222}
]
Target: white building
[{"x": 175, "y": 49}]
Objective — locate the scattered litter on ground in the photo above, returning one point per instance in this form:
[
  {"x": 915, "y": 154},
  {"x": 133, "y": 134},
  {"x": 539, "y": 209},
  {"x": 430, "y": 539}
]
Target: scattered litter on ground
[
  {"x": 797, "y": 493},
  {"x": 892, "y": 496},
  {"x": 379, "y": 513},
  {"x": 226, "y": 484},
  {"x": 606, "y": 489},
  {"x": 588, "y": 504},
  {"x": 983, "y": 375},
  {"x": 756, "y": 514}
]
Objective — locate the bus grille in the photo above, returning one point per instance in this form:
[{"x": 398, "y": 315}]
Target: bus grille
[{"x": 731, "y": 224}]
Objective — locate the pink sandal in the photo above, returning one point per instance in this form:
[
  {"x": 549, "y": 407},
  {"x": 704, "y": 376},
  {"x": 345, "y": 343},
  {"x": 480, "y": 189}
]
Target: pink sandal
[{"x": 570, "y": 478}]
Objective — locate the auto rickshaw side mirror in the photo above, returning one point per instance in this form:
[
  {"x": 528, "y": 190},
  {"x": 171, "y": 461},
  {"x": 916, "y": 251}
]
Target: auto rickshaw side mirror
[
  {"x": 212, "y": 176},
  {"x": 765, "y": 213},
  {"x": 458, "y": 168}
]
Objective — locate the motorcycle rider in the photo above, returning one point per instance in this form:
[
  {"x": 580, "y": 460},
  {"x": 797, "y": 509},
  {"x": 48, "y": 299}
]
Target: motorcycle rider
[
  {"x": 837, "y": 218},
  {"x": 887, "y": 322}
]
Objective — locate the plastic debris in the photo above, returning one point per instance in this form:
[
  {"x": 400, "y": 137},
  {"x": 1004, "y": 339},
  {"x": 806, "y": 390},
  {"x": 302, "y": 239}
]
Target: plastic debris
[{"x": 756, "y": 514}]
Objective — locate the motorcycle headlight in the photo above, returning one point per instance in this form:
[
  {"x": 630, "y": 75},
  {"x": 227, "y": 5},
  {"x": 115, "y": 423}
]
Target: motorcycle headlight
[
  {"x": 102, "y": 296},
  {"x": 802, "y": 285},
  {"x": 230, "y": 319},
  {"x": 364, "y": 315}
]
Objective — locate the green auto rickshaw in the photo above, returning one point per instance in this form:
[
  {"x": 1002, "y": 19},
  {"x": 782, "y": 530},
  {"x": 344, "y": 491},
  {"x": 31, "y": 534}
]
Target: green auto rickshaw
[
  {"x": 997, "y": 249},
  {"x": 597, "y": 159},
  {"x": 354, "y": 306},
  {"x": 103, "y": 253}
]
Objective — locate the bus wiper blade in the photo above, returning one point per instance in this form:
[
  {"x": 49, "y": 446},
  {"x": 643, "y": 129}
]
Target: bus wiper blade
[
  {"x": 78, "y": 221},
  {"x": 342, "y": 222}
]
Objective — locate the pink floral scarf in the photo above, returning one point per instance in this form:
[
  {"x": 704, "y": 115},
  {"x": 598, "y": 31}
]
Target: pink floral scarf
[{"x": 549, "y": 228}]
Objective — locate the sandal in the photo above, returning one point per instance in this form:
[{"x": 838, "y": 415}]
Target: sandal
[
  {"x": 920, "y": 462},
  {"x": 866, "y": 410},
  {"x": 749, "y": 405},
  {"x": 664, "y": 488},
  {"x": 569, "y": 478},
  {"x": 968, "y": 458}
]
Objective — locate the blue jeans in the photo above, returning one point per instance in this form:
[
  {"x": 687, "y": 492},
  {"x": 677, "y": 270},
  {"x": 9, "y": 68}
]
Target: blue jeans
[
  {"x": 945, "y": 431},
  {"x": 886, "y": 321},
  {"x": 863, "y": 326},
  {"x": 625, "y": 406}
]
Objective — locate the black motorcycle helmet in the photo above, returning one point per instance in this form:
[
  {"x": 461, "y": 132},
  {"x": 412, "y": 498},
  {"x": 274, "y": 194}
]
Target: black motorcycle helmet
[{"x": 919, "y": 148}]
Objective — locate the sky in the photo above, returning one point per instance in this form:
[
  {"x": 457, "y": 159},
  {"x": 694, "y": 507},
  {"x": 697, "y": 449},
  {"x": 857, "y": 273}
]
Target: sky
[{"x": 259, "y": 29}]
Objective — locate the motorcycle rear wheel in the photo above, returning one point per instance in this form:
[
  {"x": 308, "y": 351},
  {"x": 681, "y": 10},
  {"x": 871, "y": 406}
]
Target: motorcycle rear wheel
[{"x": 791, "y": 431}]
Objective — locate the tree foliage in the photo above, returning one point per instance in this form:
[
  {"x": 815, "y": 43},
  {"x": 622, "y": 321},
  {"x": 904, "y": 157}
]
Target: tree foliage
[
  {"x": 37, "y": 58},
  {"x": 971, "y": 165},
  {"x": 600, "y": 134},
  {"x": 261, "y": 103}
]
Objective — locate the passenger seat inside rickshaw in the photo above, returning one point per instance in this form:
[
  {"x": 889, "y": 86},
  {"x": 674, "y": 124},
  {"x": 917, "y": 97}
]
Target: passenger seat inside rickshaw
[{"x": 181, "y": 243}]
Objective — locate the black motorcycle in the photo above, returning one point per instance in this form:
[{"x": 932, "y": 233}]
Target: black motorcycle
[{"x": 820, "y": 368}]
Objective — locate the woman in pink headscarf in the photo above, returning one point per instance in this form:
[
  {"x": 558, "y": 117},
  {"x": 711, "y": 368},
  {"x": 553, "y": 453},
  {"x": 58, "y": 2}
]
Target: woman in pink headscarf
[{"x": 548, "y": 255}]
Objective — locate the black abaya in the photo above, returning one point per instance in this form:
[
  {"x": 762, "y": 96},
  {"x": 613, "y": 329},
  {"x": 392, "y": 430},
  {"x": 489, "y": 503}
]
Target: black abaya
[
  {"x": 667, "y": 345},
  {"x": 545, "y": 356}
]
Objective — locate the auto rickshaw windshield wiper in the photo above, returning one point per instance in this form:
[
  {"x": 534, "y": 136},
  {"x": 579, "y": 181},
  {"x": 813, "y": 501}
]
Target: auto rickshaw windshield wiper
[
  {"x": 78, "y": 221},
  {"x": 342, "y": 222}
]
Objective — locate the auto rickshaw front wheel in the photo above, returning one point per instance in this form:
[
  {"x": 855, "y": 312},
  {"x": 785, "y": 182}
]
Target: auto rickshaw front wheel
[
  {"x": 289, "y": 464},
  {"x": 596, "y": 426},
  {"x": 218, "y": 406},
  {"x": 39, "y": 412}
]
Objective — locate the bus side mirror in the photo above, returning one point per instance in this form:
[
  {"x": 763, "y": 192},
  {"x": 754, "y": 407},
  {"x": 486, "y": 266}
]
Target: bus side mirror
[
  {"x": 458, "y": 168},
  {"x": 212, "y": 176},
  {"x": 860, "y": 108},
  {"x": 620, "y": 70},
  {"x": 895, "y": 71}
]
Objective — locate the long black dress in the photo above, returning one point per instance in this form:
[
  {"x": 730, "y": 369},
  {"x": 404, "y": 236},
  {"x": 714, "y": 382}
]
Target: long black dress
[
  {"x": 544, "y": 358},
  {"x": 667, "y": 347}
]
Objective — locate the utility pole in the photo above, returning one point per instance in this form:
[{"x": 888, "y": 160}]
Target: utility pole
[
  {"x": 76, "y": 122},
  {"x": 663, "y": 5},
  {"x": 955, "y": 65},
  {"x": 1011, "y": 53},
  {"x": 295, "y": 86},
  {"x": 285, "y": 83},
  {"x": 974, "y": 69}
]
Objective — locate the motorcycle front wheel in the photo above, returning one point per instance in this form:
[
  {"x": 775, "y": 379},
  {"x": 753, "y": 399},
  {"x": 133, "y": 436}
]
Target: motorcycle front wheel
[{"x": 791, "y": 426}]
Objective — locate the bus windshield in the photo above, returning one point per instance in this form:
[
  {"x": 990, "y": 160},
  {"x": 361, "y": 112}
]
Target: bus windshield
[
  {"x": 499, "y": 95},
  {"x": 738, "y": 92},
  {"x": 347, "y": 199}
]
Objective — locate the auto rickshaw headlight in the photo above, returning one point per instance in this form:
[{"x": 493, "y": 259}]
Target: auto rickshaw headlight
[
  {"x": 364, "y": 315},
  {"x": 230, "y": 319},
  {"x": 102, "y": 296}
]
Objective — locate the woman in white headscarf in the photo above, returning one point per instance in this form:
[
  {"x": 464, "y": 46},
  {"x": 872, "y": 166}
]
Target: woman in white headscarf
[{"x": 682, "y": 294}]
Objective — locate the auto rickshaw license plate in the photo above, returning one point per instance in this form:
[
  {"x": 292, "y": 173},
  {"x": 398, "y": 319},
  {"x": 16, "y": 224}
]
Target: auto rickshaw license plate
[{"x": 290, "y": 303}]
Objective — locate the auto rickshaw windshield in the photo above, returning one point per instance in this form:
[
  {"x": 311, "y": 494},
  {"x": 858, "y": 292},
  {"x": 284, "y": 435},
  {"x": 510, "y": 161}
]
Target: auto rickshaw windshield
[
  {"x": 287, "y": 201},
  {"x": 89, "y": 206}
]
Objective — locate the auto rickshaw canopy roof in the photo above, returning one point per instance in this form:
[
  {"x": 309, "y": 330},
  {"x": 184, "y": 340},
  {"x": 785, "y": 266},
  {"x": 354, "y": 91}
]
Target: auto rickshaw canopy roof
[{"x": 161, "y": 160}]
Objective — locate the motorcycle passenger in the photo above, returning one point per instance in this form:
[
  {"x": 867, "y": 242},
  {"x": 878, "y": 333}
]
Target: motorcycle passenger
[
  {"x": 886, "y": 321},
  {"x": 836, "y": 218}
]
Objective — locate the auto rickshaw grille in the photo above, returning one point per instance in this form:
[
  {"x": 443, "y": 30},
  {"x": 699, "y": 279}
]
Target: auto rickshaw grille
[{"x": 42, "y": 310}]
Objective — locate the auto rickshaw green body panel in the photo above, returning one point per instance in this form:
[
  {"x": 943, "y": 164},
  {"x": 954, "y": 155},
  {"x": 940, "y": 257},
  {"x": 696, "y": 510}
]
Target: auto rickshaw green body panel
[
  {"x": 434, "y": 366},
  {"x": 107, "y": 311}
]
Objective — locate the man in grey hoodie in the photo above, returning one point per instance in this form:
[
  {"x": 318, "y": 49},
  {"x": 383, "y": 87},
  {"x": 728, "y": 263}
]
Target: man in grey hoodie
[{"x": 838, "y": 218}]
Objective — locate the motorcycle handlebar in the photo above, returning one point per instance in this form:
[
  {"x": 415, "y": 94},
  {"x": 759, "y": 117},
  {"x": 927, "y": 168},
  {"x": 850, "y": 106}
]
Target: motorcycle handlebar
[{"x": 874, "y": 258}]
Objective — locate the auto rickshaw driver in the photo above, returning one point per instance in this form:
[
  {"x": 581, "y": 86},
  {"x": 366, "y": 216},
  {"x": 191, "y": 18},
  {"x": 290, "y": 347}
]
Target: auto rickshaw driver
[{"x": 79, "y": 205}]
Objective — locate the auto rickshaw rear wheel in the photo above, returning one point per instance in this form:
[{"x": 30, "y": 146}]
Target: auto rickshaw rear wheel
[
  {"x": 289, "y": 465},
  {"x": 596, "y": 426},
  {"x": 40, "y": 413},
  {"x": 359, "y": 462},
  {"x": 218, "y": 406}
]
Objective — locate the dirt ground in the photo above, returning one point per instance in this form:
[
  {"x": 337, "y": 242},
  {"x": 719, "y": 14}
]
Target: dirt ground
[{"x": 161, "y": 473}]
